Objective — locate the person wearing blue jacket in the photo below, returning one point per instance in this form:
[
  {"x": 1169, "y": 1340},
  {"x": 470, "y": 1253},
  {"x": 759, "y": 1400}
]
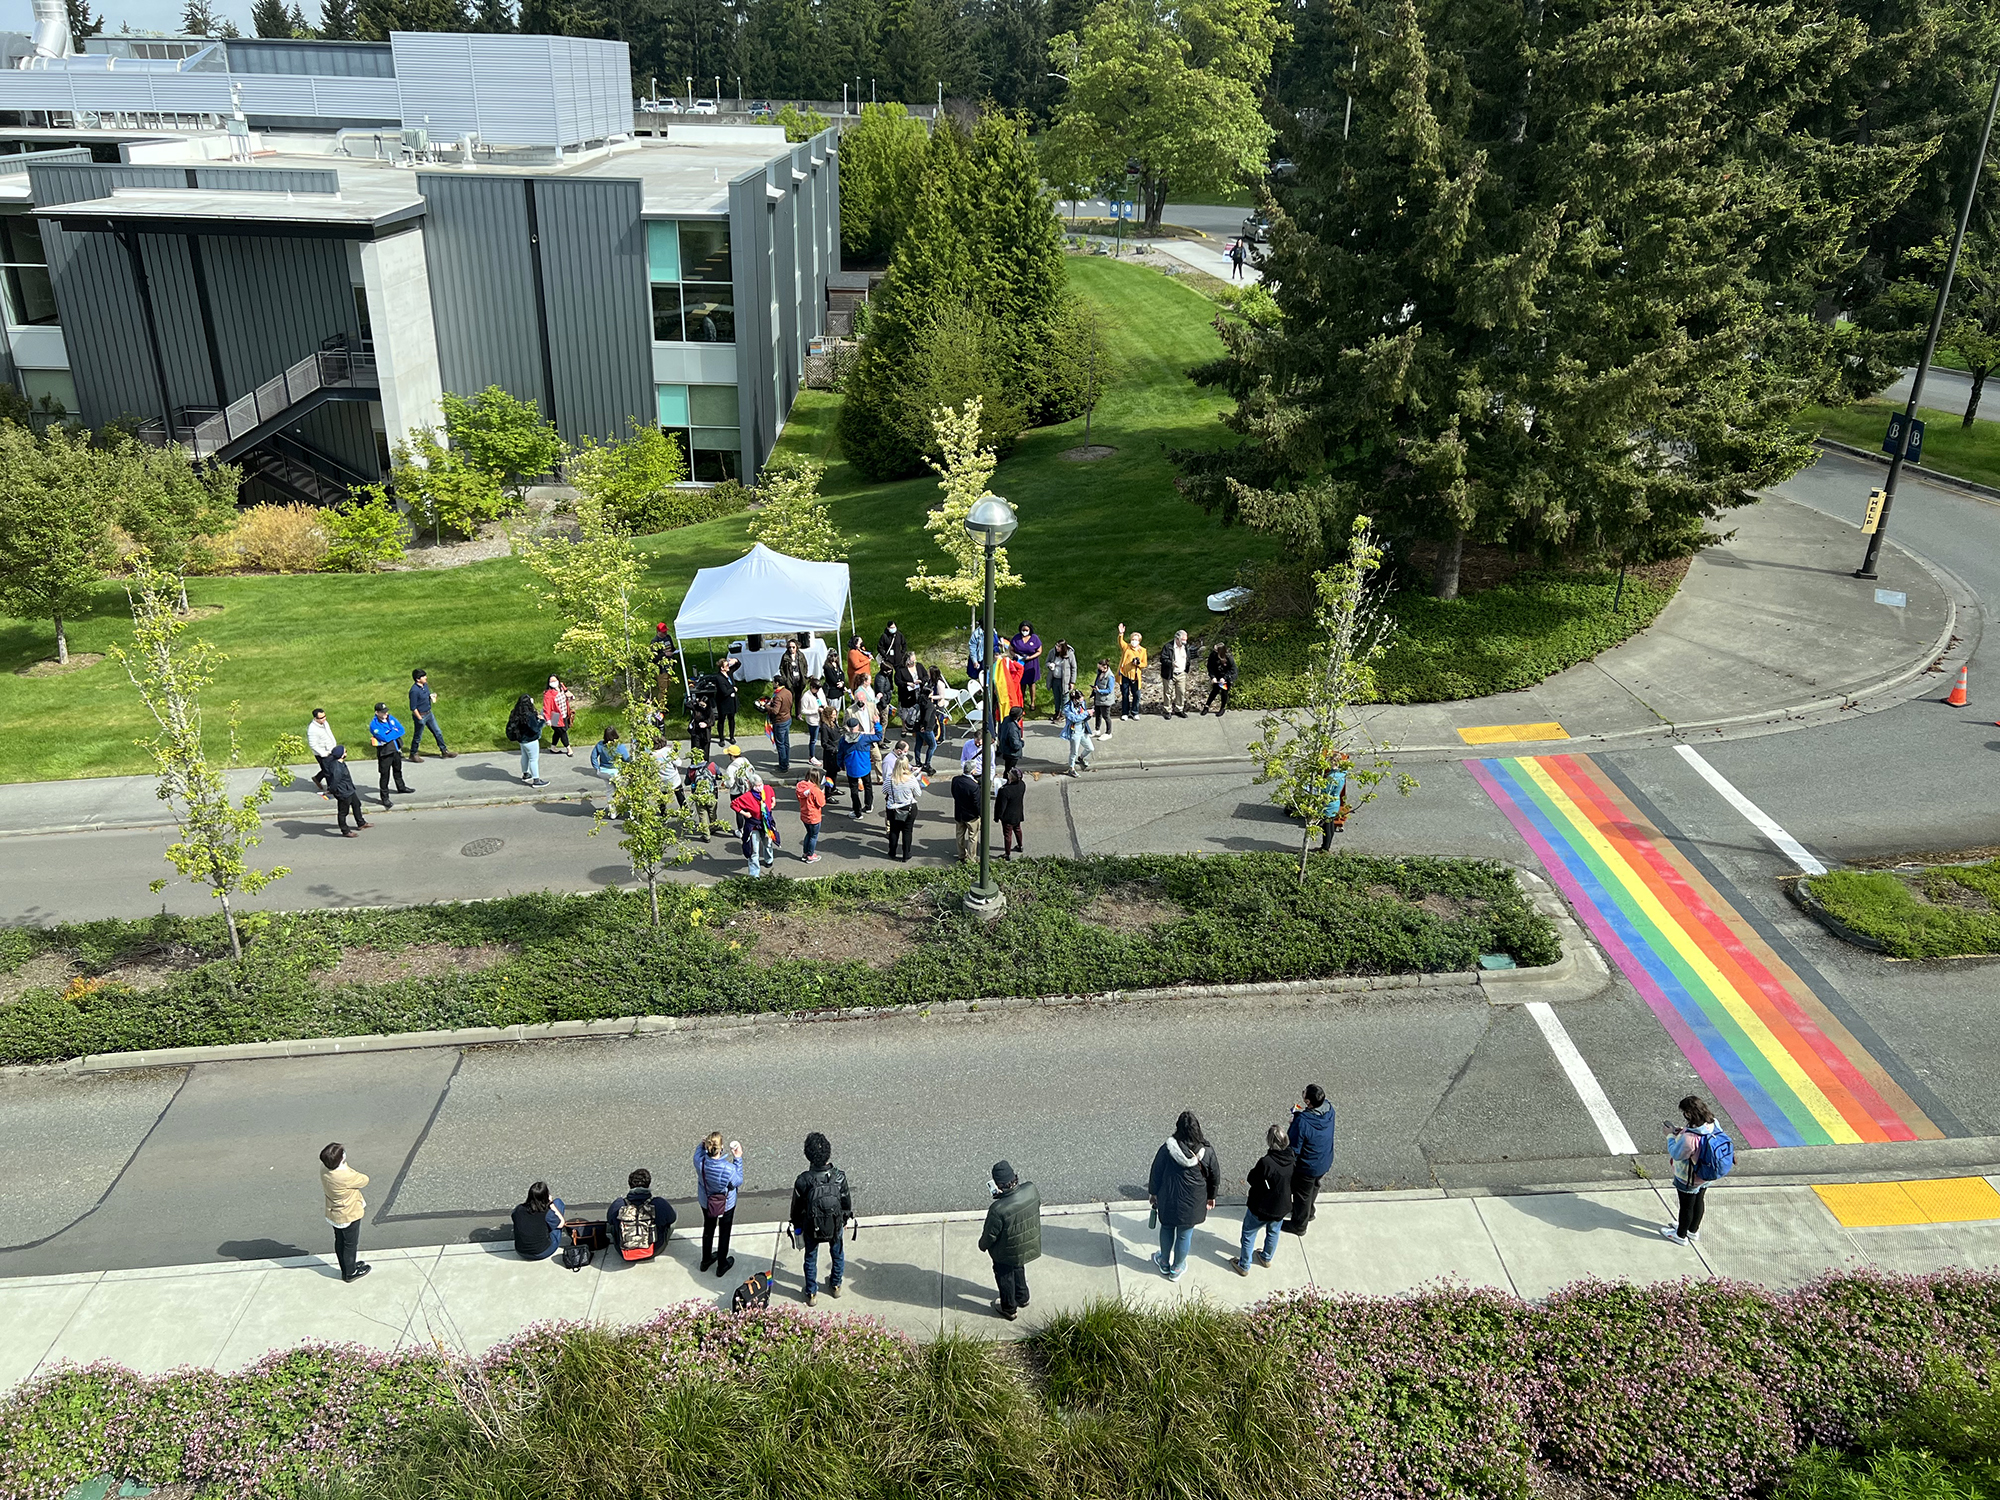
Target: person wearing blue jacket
[
  {"x": 1311, "y": 1136},
  {"x": 718, "y": 1173},
  {"x": 859, "y": 766}
]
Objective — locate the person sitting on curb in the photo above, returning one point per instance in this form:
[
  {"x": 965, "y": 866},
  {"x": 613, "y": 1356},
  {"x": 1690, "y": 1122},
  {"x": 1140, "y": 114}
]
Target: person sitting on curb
[
  {"x": 538, "y": 1223},
  {"x": 640, "y": 1222},
  {"x": 821, "y": 1207},
  {"x": 1012, "y": 1235}
]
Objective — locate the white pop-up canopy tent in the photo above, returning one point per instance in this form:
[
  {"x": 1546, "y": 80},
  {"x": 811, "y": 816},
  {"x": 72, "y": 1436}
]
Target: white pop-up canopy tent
[{"x": 767, "y": 592}]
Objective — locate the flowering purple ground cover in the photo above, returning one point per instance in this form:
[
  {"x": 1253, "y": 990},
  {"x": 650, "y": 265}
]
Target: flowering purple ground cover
[{"x": 1694, "y": 1389}]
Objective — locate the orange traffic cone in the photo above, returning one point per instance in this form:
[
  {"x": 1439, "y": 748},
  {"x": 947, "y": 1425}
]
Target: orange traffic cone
[{"x": 1957, "y": 698}]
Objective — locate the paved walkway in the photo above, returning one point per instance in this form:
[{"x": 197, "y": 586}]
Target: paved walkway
[{"x": 925, "y": 1273}]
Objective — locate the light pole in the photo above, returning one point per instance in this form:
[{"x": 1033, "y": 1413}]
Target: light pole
[
  {"x": 1867, "y": 568},
  {"x": 990, "y": 522}
]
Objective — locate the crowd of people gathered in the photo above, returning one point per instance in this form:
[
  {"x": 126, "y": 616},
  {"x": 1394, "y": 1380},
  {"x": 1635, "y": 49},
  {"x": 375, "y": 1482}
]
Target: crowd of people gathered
[{"x": 868, "y": 720}]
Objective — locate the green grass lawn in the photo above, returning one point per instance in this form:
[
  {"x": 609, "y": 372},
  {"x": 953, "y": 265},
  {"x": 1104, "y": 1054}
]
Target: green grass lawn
[
  {"x": 1950, "y": 447},
  {"x": 1099, "y": 543},
  {"x": 1947, "y": 911}
]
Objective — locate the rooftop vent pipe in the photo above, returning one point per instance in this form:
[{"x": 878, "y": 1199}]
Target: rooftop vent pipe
[{"x": 51, "y": 30}]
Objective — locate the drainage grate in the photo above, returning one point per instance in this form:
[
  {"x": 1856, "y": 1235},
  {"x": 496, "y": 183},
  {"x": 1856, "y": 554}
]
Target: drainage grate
[{"x": 478, "y": 847}]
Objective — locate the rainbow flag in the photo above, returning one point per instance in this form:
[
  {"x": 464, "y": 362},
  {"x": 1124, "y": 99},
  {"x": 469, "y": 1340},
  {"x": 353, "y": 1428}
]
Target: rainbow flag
[{"x": 1782, "y": 1066}]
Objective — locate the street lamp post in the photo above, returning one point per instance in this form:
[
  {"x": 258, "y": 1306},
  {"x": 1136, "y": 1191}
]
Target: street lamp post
[
  {"x": 1867, "y": 568},
  {"x": 990, "y": 522}
]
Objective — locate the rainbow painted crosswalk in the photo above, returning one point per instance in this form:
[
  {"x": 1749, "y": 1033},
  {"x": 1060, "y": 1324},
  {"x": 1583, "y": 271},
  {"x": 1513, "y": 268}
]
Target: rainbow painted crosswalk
[{"x": 1770, "y": 1051}]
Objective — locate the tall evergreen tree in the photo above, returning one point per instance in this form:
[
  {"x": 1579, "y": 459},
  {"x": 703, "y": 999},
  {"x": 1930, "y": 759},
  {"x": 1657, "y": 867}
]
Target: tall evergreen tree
[
  {"x": 269, "y": 18},
  {"x": 377, "y": 18},
  {"x": 1547, "y": 283},
  {"x": 493, "y": 17},
  {"x": 197, "y": 19},
  {"x": 923, "y": 45},
  {"x": 854, "y": 43},
  {"x": 1019, "y": 278},
  {"x": 782, "y": 51},
  {"x": 881, "y": 157},
  {"x": 339, "y": 21},
  {"x": 82, "y": 23}
]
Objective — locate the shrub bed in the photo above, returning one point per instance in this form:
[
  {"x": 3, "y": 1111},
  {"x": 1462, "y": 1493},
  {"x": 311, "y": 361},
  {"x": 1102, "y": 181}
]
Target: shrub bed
[
  {"x": 1946, "y": 911},
  {"x": 898, "y": 937},
  {"x": 1700, "y": 1391}
]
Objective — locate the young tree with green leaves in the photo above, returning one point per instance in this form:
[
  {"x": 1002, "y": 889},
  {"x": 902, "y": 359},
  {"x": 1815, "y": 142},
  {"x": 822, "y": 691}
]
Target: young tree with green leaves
[
  {"x": 1317, "y": 761},
  {"x": 656, "y": 833},
  {"x": 1971, "y": 321},
  {"x": 633, "y": 480},
  {"x": 56, "y": 497},
  {"x": 364, "y": 531},
  {"x": 170, "y": 669},
  {"x": 1549, "y": 283},
  {"x": 881, "y": 159},
  {"x": 1176, "y": 89},
  {"x": 964, "y": 469},
  {"x": 503, "y": 434},
  {"x": 801, "y": 126},
  {"x": 795, "y": 518},
  {"x": 444, "y": 488},
  {"x": 595, "y": 584}
]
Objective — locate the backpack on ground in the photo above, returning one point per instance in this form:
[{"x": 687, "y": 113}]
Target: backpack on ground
[
  {"x": 576, "y": 1257},
  {"x": 754, "y": 1293},
  {"x": 636, "y": 1228},
  {"x": 1715, "y": 1157},
  {"x": 823, "y": 1206}
]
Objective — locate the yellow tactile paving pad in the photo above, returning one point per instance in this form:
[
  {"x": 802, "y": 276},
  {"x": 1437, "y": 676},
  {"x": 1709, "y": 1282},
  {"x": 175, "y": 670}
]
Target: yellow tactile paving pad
[
  {"x": 1941, "y": 1200},
  {"x": 1512, "y": 734}
]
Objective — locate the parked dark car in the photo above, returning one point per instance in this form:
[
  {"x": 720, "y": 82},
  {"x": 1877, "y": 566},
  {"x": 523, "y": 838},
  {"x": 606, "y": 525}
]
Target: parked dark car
[{"x": 760, "y": 109}]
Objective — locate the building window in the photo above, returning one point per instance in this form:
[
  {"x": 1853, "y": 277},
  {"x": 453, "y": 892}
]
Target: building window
[
  {"x": 688, "y": 265},
  {"x": 30, "y": 298},
  {"x": 55, "y": 387},
  {"x": 704, "y": 420}
]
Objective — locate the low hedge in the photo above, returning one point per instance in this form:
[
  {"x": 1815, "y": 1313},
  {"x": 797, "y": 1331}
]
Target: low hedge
[
  {"x": 1946, "y": 911},
  {"x": 1206, "y": 919},
  {"x": 1681, "y": 1391},
  {"x": 1498, "y": 640}
]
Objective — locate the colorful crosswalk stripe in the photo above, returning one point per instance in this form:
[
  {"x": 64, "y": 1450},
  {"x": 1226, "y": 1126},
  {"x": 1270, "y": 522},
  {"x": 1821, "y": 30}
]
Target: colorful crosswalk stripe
[{"x": 1783, "y": 1067}]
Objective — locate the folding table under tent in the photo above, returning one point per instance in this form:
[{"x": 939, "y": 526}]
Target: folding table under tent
[{"x": 764, "y": 592}]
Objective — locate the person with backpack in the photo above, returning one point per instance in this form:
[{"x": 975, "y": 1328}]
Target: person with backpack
[
  {"x": 1702, "y": 1153},
  {"x": 1311, "y": 1137},
  {"x": 1270, "y": 1200},
  {"x": 524, "y": 728},
  {"x": 640, "y": 1222},
  {"x": 1181, "y": 1189},
  {"x": 717, "y": 1176},
  {"x": 1012, "y": 1235},
  {"x": 821, "y": 1207},
  {"x": 538, "y": 1224}
]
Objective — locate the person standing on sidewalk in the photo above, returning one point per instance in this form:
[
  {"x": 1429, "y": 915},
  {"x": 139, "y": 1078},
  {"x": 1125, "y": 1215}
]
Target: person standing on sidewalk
[
  {"x": 1012, "y": 1235},
  {"x": 1009, "y": 811},
  {"x": 899, "y": 801},
  {"x": 1076, "y": 729},
  {"x": 1701, "y": 1153},
  {"x": 1131, "y": 667},
  {"x": 1181, "y": 1189},
  {"x": 1103, "y": 688},
  {"x": 821, "y": 1207},
  {"x": 1221, "y": 678},
  {"x": 1027, "y": 649},
  {"x": 726, "y": 693},
  {"x": 385, "y": 733},
  {"x": 965, "y": 810},
  {"x": 717, "y": 1176},
  {"x": 1236, "y": 258},
  {"x": 812, "y": 809},
  {"x": 1174, "y": 664},
  {"x": 1311, "y": 1136},
  {"x": 524, "y": 728},
  {"x": 778, "y": 714},
  {"x": 423, "y": 716},
  {"x": 320, "y": 740},
  {"x": 1012, "y": 741},
  {"x": 346, "y": 796},
  {"x": 1269, "y": 1202},
  {"x": 809, "y": 701},
  {"x": 559, "y": 711},
  {"x": 345, "y": 1206}
]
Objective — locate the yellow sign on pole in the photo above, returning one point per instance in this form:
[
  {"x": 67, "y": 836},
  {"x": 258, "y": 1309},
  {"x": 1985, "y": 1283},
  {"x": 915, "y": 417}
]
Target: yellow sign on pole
[{"x": 1873, "y": 519}]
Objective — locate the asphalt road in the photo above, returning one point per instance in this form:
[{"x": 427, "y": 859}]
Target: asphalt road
[{"x": 215, "y": 1162}]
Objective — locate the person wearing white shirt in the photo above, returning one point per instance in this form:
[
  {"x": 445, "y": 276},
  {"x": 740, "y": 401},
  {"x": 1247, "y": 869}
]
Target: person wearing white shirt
[{"x": 320, "y": 740}]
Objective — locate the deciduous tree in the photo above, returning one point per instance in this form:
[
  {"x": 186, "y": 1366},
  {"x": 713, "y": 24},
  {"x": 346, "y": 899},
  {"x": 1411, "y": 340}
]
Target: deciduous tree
[
  {"x": 964, "y": 468},
  {"x": 503, "y": 434},
  {"x": 170, "y": 505},
  {"x": 632, "y": 480},
  {"x": 795, "y": 518},
  {"x": 170, "y": 669},
  {"x": 595, "y": 584},
  {"x": 55, "y": 526},
  {"x": 445, "y": 488}
]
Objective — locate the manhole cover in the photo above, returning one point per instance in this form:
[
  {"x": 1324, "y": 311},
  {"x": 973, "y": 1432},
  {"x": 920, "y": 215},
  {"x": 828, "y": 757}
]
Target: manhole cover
[{"x": 482, "y": 846}]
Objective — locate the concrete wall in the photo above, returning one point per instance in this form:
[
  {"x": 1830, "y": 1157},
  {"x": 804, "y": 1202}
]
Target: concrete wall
[{"x": 396, "y": 274}]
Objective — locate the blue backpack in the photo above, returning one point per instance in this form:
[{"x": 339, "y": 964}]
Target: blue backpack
[{"x": 1716, "y": 1157}]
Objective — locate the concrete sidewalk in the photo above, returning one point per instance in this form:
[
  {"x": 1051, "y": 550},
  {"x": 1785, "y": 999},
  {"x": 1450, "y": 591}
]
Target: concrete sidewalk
[
  {"x": 1770, "y": 627},
  {"x": 925, "y": 1273}
]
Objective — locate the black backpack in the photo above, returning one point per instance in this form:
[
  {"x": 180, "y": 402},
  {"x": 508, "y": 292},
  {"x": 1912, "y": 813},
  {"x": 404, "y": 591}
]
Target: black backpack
[
  {"x": 576, "y": 1257},
  {"x": 823, "y": 1206}
]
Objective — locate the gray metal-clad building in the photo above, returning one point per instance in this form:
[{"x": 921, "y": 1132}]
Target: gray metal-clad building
[{"x": 301, "y": 313}]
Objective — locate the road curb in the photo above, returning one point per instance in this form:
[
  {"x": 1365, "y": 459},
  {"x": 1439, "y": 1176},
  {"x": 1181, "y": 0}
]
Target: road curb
[
  {"x": 1802, "y": 897},
  {"x": 1947, "y": 481}
]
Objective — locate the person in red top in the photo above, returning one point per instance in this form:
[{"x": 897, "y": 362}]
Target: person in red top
[
  {"x": 812, "y": 807},
  {"x": 559, "y": 708}
]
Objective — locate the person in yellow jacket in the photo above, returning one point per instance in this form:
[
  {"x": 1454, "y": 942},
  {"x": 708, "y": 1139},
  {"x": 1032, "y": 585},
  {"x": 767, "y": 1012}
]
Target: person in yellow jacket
[
  {"x": 1131, "y": 667},
  {"x": 344, "y": 1209}
]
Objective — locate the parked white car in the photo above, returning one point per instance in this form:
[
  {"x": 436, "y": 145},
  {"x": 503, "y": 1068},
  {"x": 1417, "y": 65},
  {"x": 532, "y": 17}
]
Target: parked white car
[{"x": 702, "y": 107}]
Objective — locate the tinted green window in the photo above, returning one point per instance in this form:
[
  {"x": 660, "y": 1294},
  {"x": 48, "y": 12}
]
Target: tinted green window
[
  {"x": 712, "y": 405},
  {"x": 673, "y": 401},
  {"x": 663, "y": 252}
]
